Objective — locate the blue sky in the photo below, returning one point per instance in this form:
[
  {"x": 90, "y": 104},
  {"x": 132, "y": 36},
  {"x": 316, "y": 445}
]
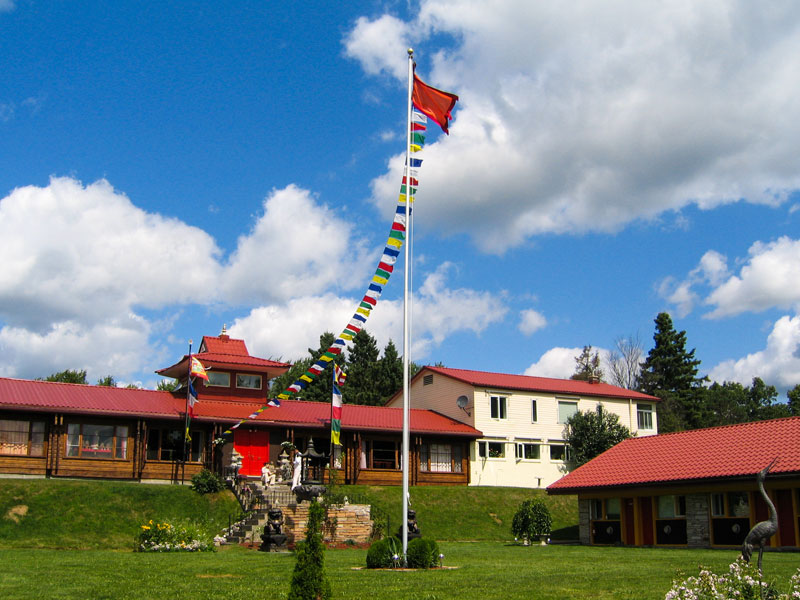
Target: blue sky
[{"x": 165, "y": 170}]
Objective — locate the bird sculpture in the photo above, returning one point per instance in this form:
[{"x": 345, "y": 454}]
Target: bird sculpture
[{"x": 761, "y": 532}]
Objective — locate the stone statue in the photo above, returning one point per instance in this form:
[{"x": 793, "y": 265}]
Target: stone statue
[
  {"x": 761, "y": 532},
  {"x": 273, "y": 538}
]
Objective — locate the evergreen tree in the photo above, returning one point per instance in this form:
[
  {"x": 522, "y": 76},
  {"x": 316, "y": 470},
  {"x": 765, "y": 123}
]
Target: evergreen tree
[
  {"x": 308, "y": 579},
  {"x": 794, "y": 400},
  {"x": 670, "y": 372},
  {"x": 587, "y": 365},
  {"x": 363, "y": 371},
  {"x": 107, "y": 381},
  {"x": 762, "y": 402},
  {"x": 168, "y": 385},
  {"x": 590, "y": 433},
  {"x": 390, "y": 372}
]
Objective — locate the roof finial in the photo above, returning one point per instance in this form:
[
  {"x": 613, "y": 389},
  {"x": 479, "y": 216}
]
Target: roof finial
[{"x": 224, "y": 330}]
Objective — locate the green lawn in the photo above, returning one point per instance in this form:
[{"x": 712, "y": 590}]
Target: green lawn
[{"x": 486, "y": 570}]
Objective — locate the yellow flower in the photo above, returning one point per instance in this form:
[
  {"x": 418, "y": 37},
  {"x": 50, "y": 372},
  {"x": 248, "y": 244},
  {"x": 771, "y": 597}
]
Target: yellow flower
[{"x": 145, "y": 527}]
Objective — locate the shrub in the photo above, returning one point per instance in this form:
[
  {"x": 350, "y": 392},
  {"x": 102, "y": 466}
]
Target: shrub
[
  {"x": 742, "y": 580},
  {"x": 308, "y": 579},
  {"x": 384, "y": 554},
  {"x": 166, "y": 537},
  {"x": 422, "y": 553},
  {"x": 206, "y": 482},
  {"x": 531, "y": 520}
]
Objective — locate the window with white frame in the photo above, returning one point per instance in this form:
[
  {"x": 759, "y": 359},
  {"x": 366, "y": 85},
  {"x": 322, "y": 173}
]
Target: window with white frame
[
  {"x": 560, "y": 452},
  {"x": 644, "y": 416},
  {"x": 566, "y": 408},
  {"x": 440, "y": 458},
  {"x": 528, "y": 451},
  {"x": 245, "y": 380},
  {"x": 534, "y": 414},
  {"x": 218, "y": 379},
  {"x": 497, "y": 406},
  {"x": 487, "y": 449}
]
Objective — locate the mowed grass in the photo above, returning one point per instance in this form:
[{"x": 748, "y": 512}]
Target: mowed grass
[
  {"x": 469, "y": 513},
  {"x": 52, "y": 513},
  {"x": 486, "y": 570}
]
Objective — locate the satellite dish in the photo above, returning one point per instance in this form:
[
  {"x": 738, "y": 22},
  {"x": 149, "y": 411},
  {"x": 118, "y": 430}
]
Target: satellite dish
[{"x": 462, "y": 401}]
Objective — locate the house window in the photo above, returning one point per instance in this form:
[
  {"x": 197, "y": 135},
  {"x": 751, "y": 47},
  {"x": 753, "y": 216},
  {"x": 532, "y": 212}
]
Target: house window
[
  {"x": 217, "y": 379},
  {"x": 644, "y": 416},
  {"x": 491, "y": 449},
  {"x": 534, "y": 416},
  {"x": 604, "y": 510},
  {"x": 528, "y": 451},
  {"x": 560, "y": 452},
  {"x": 85, "y": 440},
  {"x": 670, "y": 507},
  {"x": 566, "y": 408},
  {"x": 21, "y": 438},
  {"x": 167, "y": 444},
  {"x": 427, "y": 379},
  {"x": 440, "y": 458},
  {"x": 498, "y": 407},
  {"x": 252, "y": 382},
  {"x": 384, "y": 454}
]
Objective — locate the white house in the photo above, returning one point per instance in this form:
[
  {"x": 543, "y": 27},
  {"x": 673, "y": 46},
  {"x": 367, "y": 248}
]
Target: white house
[{"x": 522, "y": 419}]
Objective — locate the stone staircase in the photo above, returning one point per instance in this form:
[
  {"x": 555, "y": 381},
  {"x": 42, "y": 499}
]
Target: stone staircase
[{"x": 256, "y": 501}]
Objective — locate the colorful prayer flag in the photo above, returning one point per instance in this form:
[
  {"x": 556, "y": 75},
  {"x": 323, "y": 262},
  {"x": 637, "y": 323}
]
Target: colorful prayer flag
[
  {"x": 192, "y": 399},
  {"x": 198, "y": 370},
  {"x": 336, "y": 405},
  {"x": 434, "y": 103}
]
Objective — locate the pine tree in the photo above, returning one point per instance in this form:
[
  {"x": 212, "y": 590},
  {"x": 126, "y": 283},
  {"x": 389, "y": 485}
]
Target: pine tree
[
  {"x": 794, "y": 400},
  {"x": 363, "y": 371},
  {"x": 670, "y": 372},
  {"x": 390, "y": 372},
  {"x": 587, "y": 365}
]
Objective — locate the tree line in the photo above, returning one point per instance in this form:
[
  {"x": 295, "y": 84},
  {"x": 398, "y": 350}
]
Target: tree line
[{"x": 670, "y": 372}]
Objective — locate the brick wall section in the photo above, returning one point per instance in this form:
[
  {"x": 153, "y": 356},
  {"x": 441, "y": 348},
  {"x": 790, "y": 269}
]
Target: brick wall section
[
  {"x": 697, "y": 521},
  {"x": 584, "y": 532},
  {"x": 352, "y": 522}
]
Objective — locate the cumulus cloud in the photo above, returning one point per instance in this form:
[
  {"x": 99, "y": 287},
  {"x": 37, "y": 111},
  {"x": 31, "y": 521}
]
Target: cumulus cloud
[
  {"x": 288, "y": 330},
  {"x": 531, "y": 321},
  {"x": 778, "y": 363},
  {"x": 290, "y": 252},
  {"x": 590, "y": 116},
  {"x": 556, "y": 362}
]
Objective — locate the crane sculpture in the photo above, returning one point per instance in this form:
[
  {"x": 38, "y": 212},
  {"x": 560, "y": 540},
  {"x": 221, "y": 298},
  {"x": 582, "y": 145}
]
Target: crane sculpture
[{"x": 761, "y": 532}]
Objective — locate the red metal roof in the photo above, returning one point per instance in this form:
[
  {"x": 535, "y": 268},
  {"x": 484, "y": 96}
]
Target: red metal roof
[
  {"x": 225, "y": 352},
  {"x": 730, "y": 451},
  {"x": 505, "y": 381},
  {"x": 45, "y": 396},
  {"x": 19, "y": 394}
]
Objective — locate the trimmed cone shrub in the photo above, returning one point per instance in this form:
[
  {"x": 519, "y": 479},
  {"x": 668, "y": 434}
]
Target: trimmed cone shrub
[
  {"x": 384, "y": 554},
  {"x": 531, "y": 520},
  {"x": 422, "y": 553},
  {"x": 308, "y": 580}
]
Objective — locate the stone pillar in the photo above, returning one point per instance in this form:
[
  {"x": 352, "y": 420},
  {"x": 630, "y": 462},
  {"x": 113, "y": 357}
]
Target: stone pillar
[
  {"x": 697, "y": 521},
  {"x": 584, "y": 525}
]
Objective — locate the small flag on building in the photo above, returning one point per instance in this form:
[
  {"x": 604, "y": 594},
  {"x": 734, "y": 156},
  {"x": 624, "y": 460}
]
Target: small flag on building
[
  {"x": 198, "y": 370},
  {"x": 336, "y": 405},
  {"x": 192, "y": 399}
]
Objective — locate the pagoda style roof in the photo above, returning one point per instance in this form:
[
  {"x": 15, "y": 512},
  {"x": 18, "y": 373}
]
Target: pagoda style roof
[{"x": 224, "y": 352}]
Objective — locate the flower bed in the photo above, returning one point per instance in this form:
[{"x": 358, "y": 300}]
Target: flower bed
[{"x": 166, "y": 537}]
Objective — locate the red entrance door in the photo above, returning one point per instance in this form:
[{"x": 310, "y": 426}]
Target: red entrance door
[{"x": 253, "y": 445}]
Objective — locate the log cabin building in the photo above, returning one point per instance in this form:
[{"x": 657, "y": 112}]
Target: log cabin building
[{"x": 52, "y": 429}]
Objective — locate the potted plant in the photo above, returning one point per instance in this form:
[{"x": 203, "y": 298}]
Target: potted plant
[{"x": 531, "y": 521}]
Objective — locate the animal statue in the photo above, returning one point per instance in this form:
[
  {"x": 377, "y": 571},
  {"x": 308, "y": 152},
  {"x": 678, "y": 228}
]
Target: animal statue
[{"x": 761, "y": 532}]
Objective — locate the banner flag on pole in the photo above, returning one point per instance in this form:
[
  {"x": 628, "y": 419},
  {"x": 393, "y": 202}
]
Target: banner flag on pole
[
  {"x": 336, "y": 404},
  {"x": 192, "y": 399},
  {"x": 435, "y": 103},
  {"x": 197, "y": 369}
]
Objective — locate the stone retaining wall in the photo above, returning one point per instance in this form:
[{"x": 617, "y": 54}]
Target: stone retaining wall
[{"x": 345, "y": 522}]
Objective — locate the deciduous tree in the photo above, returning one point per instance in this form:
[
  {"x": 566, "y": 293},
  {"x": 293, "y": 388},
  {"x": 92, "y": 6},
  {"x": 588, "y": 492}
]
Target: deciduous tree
[
  {"x": 592, "y": 432},
  {"x": 587, "y": 365}
]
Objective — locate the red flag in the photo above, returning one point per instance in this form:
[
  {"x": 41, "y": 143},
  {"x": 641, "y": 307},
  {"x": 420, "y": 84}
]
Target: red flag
[{"x": 434, "y": 103}]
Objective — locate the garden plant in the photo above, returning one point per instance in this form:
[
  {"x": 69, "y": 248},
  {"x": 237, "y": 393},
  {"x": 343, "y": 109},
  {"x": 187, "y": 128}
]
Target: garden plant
[{"x": 532, "y": 520}]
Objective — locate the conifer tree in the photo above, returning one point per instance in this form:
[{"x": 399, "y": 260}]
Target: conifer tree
[
  {"x": 587, "y": 365},
  {"x": 390, "y": 372},
  {"x": 308, "y": 579},
  {"x": 363, "y": 371}
]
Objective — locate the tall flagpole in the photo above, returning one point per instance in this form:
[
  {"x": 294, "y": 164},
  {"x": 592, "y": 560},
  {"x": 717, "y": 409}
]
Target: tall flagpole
[
  {"x": 186, "y": 416},
  {"x": 406, "y": 273}
]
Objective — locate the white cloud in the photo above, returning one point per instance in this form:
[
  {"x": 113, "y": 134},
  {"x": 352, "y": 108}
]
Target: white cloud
[
  {"x": 288, "y": 330},
  {"x": 87, "y": 254},
  {"x": 769, "y": 279},
  {"x": 778, "y": 364},
  {"x": 296, "y": 248},
  {"x": 556, "y": 362},
  {"x": 588, "y": 116},
  {"x": 531, "y": 321}
]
